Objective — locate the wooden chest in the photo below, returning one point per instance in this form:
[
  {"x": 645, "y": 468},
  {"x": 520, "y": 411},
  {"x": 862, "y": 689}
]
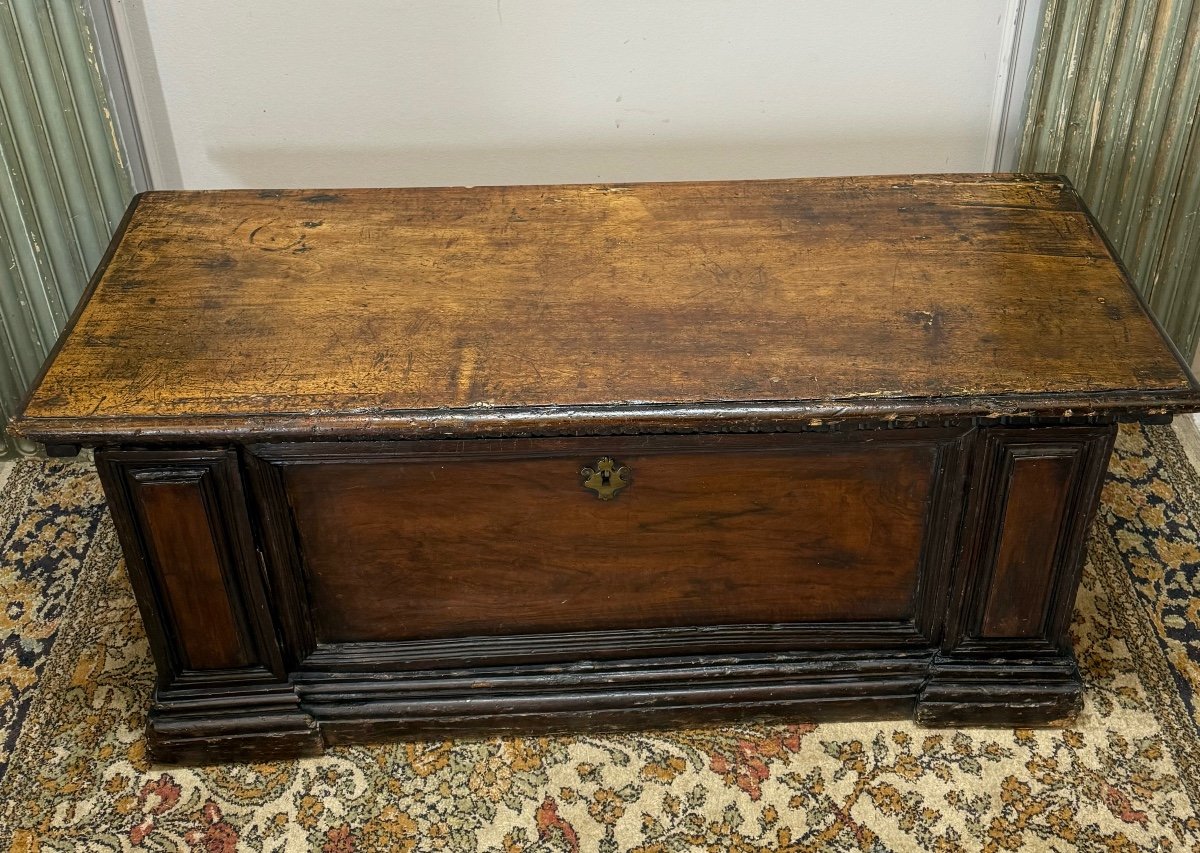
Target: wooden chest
[{"x": 392, "y": 463}]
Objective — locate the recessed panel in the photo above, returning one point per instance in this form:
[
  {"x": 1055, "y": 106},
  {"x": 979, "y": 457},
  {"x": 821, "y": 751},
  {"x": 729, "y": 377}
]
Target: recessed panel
[
  {"x": 184, "y": 555},
  {"x": 1038, "y": 492},
  {"x": 434, "y": 546}
]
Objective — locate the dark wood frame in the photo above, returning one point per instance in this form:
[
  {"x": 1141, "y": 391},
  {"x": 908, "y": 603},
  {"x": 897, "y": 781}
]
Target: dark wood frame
[
  {"x": 295, "y": 695},
  {"x": 251, "y": 709}
]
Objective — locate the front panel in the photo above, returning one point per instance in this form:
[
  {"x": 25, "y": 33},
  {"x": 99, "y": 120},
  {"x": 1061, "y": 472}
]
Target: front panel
[
  {"x": 415, "y": 541},
  {"x": 368, "y": 589}
]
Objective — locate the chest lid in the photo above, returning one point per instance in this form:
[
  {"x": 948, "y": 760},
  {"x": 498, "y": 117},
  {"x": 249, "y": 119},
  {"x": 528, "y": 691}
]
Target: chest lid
[{"x": 494, "y": 310}]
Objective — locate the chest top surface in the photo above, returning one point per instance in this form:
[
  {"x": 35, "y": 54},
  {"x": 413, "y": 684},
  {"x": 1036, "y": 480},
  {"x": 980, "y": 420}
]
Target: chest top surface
[{"x": 294, "y": 310}]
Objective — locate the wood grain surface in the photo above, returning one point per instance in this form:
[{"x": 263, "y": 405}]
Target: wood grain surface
[
  {"x": 1037, "y": 499},
  {"x": 184, "y": 555},
  {"x": 286, "y": 306},
  {"x": 507, "y": 544}
]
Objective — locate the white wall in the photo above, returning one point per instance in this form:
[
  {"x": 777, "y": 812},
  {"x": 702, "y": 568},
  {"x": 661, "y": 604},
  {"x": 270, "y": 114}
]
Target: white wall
[{"x": 284, "y": 93}]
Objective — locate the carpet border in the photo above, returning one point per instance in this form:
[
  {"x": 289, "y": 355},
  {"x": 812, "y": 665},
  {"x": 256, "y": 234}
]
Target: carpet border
[
  {"x": 1153, "y": 665},
  {"x": 20, "y": 479}
]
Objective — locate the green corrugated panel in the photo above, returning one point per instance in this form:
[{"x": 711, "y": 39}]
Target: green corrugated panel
[
  {"x": 1092, "y": 81},
  {"x": 1114, "y": 104},
  {"x": 1116, "y": 113},
  {"x": 64, "y": 185},
  {"x": 1175, "y": 283}
]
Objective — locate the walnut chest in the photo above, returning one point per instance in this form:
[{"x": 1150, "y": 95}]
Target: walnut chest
[{"x": 394, "y": 463}]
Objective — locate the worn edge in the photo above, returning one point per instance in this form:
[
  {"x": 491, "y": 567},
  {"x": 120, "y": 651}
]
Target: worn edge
[{"x": 621, "y": 419}]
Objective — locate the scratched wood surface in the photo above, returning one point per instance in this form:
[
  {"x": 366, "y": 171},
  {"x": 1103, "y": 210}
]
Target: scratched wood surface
[{"x": 286, "y": 304}]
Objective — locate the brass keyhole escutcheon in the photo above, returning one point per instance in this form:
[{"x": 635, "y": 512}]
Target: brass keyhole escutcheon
[{"x": 606, "y": 478}]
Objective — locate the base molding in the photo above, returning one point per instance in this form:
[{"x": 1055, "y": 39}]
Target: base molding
[
  {"x": 1000, "y": 692},
  {"x": 251, "y": 722},
  {"x": 614, "y": 696}
]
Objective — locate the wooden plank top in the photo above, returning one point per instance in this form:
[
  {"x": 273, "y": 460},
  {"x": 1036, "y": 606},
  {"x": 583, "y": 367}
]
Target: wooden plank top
[{"x": 491, "y": 309}]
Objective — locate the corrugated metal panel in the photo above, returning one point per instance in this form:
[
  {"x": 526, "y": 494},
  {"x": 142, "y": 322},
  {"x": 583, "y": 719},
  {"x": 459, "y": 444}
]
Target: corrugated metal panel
[
  {"x": 65, "y": 182},
  {"x": 1114, "y": 105}
]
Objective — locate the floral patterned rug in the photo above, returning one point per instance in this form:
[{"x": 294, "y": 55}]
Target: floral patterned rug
[{"x": 76, "y": 678}]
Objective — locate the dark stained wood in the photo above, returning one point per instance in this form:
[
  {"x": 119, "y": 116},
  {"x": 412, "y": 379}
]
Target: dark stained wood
[
  {"x": 500, "y": 543},
  {"x": 942, "y": 544},
  {"x": 288, "y": 604},
  {"x": 182, "y": 520},
  {"x": 998, "y": 666},
  {"x": 999, "y": 690},
  {"x": 1023, "y": 578},
  {"x": 204, "y": 718},
  {"x": 685, "y": 690},
  {"x": 185, "y": 560},
  {"x": 369, "y": 310},
  {"x": 863, "y": 422},
  {"x": 1053, "y": 513},
  {"x": 496, "y": 653},
  {"x": 222, "y": 689}
]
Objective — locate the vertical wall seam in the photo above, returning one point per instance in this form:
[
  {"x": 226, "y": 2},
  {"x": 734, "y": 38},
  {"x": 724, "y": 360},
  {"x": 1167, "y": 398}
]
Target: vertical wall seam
[
  {"x": 1086, "y": 113},
  {"x": 39, "y": 176},
  {"x": 60, "y": 144},
  {"x": 89, "y": 180}
]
